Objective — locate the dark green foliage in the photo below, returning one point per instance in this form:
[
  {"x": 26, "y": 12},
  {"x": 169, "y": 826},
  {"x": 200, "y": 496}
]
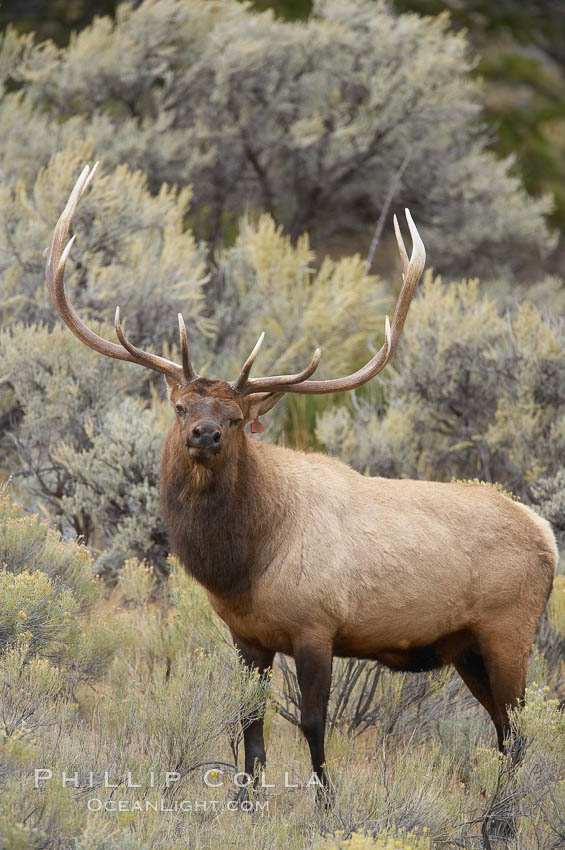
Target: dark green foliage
[{"x": 54, "y": 19}]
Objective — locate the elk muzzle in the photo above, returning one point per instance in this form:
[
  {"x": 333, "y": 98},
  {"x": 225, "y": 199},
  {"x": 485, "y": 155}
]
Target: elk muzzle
[{"x": 205, "y": 436}]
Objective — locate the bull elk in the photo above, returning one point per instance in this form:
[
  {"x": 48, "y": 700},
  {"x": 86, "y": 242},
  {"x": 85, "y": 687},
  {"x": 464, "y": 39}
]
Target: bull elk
[{"x": 302, "y": 555}]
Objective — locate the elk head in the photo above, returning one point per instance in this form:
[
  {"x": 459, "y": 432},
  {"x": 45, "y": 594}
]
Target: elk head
[{"x": 209, "y": 413}]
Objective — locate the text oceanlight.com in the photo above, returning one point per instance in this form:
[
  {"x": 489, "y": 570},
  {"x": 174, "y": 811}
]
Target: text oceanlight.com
[{"x": 95, "y": 804}]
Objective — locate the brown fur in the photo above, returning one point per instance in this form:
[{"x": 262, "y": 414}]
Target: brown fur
[{"x": 300, "y": 551}]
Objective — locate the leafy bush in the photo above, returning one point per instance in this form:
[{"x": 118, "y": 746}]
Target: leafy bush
[
  {"x": 48, "y": 589},
  {"x": 116, "y": 479},
  {"x": 251, "y": 111},
  {"x": 55, "y": 390},
  {"x": 30, "y": 691},
  {"x": 29, "y": 546},
  {"x": 264, "y": 282},
  {"x": 33, "y": 609},
  {"x": 150, "y": 722},
  {"x": 472, "y": 393}
]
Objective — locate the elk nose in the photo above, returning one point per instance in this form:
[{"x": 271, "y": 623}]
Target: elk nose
[{"x": 206, "y": 434}]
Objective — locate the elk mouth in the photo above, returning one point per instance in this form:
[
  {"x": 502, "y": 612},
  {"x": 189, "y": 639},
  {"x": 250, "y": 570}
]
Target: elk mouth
[{"x": 203, "y": 454}]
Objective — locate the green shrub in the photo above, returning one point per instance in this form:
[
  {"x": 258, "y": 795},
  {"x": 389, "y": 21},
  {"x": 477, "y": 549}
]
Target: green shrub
[
  {"x": 28, "y": 546},
  {"x": 250, "y": 111},
  {"x": 116, "y": 480},
  {"x": 55, "y": 390},
  {"x": 48, "y": 591},
  {"x": 33, "y": 609},
  {"x": 471, "y": 394},
  {"x": 30, "y": 691}
]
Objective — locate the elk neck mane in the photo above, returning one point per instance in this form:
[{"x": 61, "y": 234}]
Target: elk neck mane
[{"x": 220, "y": 521}]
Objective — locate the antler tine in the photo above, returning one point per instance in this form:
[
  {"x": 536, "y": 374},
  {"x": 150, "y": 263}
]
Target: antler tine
[
  {"x": 401, "y": 246},
  {"x": 90, "y": 177},
  {"x": 412, "y": 272},
  {"x": 388, "y": 336},
  {"x": 57, "y": 256},
  {"x": 188, "y": 371},
  {"x": 277, "y": 382},
  {"x": 241, "y": 381}
]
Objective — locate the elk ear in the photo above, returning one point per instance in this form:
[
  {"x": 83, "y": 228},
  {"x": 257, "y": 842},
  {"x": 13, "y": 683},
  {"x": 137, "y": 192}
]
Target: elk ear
[
  {"x": 171, "y": 384},
  {"x": 262, "y": 402}
]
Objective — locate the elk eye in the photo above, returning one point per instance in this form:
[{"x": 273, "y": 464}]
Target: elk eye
[
  {"x": 236, "y": 421},
  {"x": 180, "y": 410}
]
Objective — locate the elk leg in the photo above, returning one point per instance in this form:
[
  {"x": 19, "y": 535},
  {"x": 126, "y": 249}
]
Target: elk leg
[
  {"x": 507, "y": 678},
  {"x": 472, "y": 670},
  {"x": 314, "y": 672},
  {"x": 506, "y": 664},
  {"x": 253, "y": 742}
]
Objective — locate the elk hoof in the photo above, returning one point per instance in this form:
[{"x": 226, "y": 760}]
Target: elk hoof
[
  {"x": 325, "y": 797},
  {"x": 242, "y": 796}
]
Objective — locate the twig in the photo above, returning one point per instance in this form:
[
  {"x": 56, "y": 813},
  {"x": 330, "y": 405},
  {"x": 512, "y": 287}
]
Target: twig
[{"x": 392, "y": 189}]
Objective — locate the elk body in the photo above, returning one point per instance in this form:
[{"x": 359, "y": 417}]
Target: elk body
[{"x": 302, "y": 555}]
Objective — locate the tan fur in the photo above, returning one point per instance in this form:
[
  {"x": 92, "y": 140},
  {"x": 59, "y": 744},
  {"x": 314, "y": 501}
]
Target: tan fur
[{"x": 373, "y": 564}]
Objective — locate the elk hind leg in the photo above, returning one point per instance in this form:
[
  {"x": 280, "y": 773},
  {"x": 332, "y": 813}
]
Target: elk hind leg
[
  {"x": 507, "y": 664},
  {"x": 313, "y": 671},
  {"x": 505, "y": 661},
  {"x": 471, "y": 667}
]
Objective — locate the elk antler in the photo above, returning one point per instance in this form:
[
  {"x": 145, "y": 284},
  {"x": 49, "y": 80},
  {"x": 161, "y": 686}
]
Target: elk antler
[
  {"x": 57, "y": 255},
  {"x": 245, "y": 385},
  {"x": 411, "y": 272}
]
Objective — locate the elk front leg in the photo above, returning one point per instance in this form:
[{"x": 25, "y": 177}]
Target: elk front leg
[
  {"x": 314, "y": 672},
  {"x": 253, "y": 742}
]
